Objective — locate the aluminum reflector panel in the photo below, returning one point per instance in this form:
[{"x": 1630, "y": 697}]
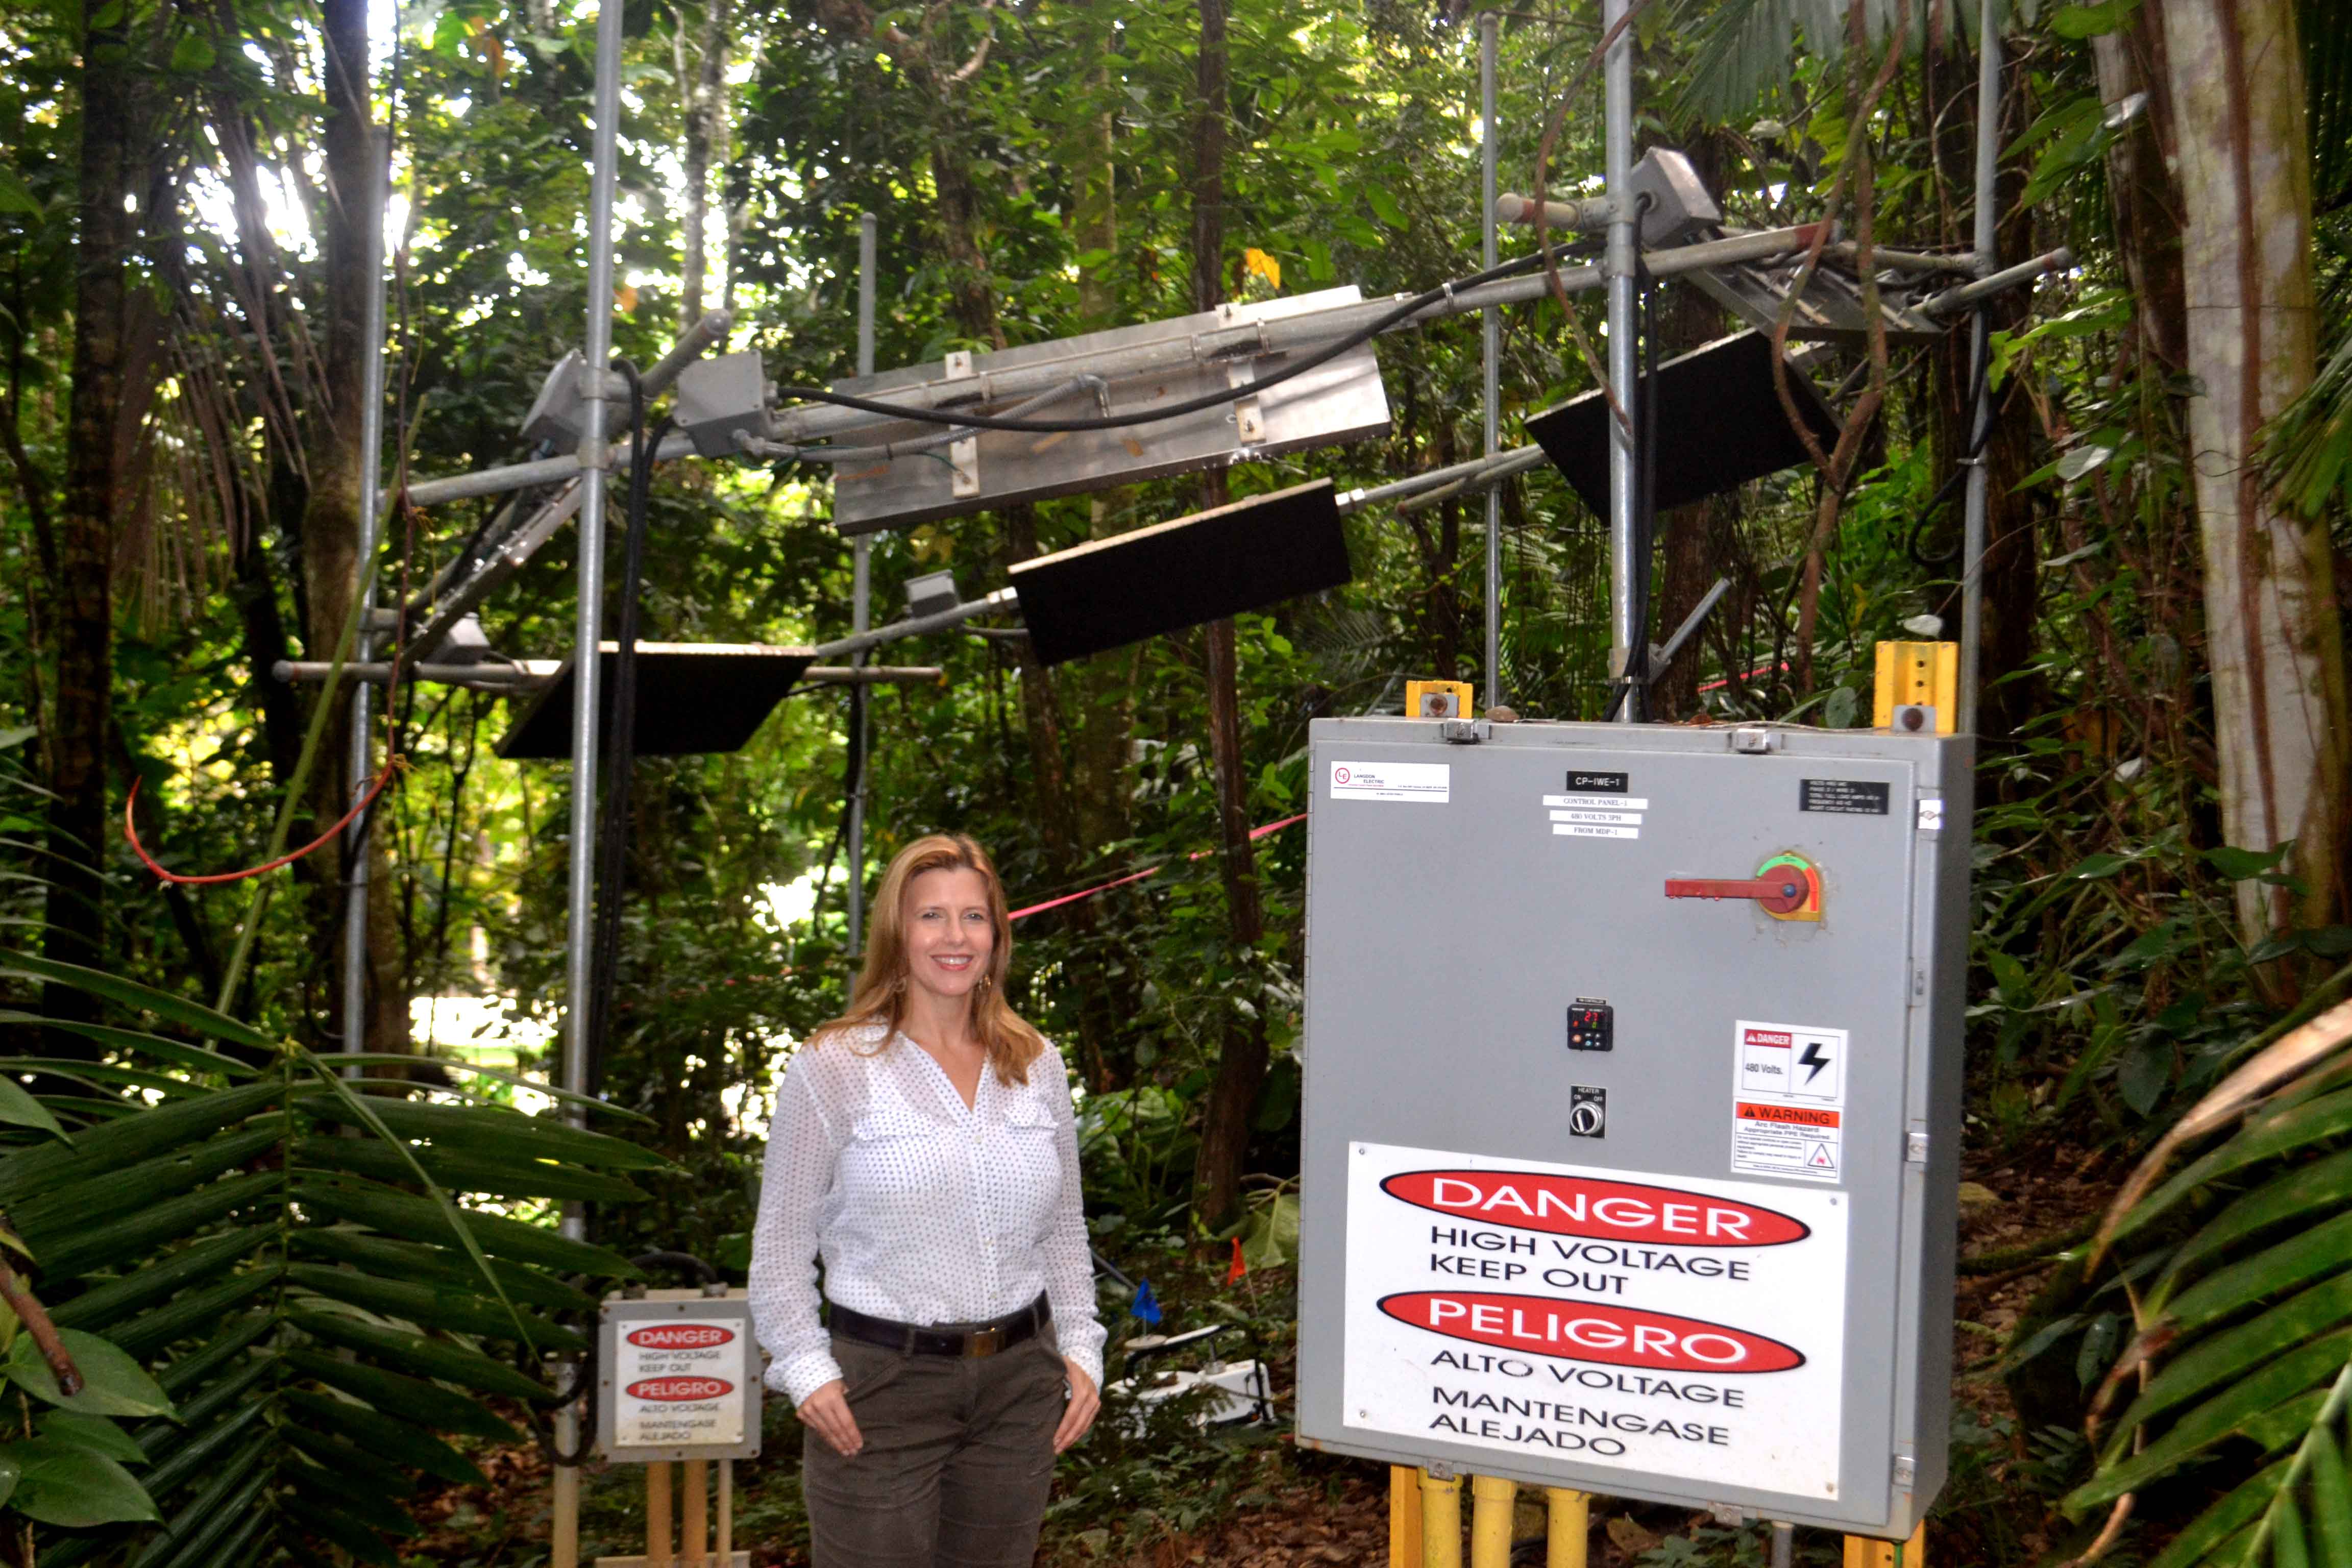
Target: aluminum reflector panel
[
  {"x": 1201, "y": 568},
  {"x": 691, "y": 698},
  {"x": 1340, "y": 400}
]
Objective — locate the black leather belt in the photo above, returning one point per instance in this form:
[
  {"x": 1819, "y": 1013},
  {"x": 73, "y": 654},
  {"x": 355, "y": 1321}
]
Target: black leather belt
[{"x": 972, "y": 1339}]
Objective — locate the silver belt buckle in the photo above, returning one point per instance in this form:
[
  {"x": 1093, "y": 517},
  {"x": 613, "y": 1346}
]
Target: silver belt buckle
[{"x": 983, "y": 1341}]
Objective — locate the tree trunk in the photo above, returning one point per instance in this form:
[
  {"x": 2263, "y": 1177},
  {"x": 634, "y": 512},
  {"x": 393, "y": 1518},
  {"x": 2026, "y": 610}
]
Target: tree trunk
[
  {"x": 82, "y": 613},
  {"x": 2234, "y": 72},
  {"x": 2147, "y": 203},
  {"x": 332, "y": 524},
  {"x": 706, "y": 137},
  {"x": 1242, "y": 1059}
]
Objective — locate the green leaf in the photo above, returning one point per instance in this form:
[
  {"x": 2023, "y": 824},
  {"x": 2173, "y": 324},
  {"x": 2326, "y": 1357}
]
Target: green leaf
[
  {"x": 333, "y": 1524},
  {"x": 412, "y": 1399},
  {"x": 2323, "y": 1184},
  {"x": 117, "y": 1298},
  {"x": 354, "y": 1466},
  {"x": 19, "y": 1109},
  {"x": 2245, "y": 865},
  {"x": 430, "y": 1306},
  {"x": 2260, "y": 1140},
  {"x": 2228, "y": 1357},
  {"x": 413, "y": 1262},
  {"x": 193, "y": 1313},
  {"x": 64, "y": 1208},
  {"x": 373, "y": 1509},
  {"x": 192, "y": 54},
  {"x": 2089, "y": 21},
  {"x": 195, "y": 1367},
  {"x": 2331, "y": 1497},
  {"x": 412, "y": 1353},
  {"x": 17, "y": 197},
  {"x": 493, "y": 1131},
  {"x": 112, "y": 1383},
  {"x": 196, "y": 1456},
  {"x": 135, "y": 1236},
  {"x": 72, "y": 1486},
  {"x": 96, "y": 1433},
  {"x": 2095, "y": 867},
  {"x": 131, "y": 994},
  {"x": 142, "y": 1134},
  {"x": 2289, "y": 1266},
  {"x": 400, "y": 1441},
  {"x": 1385, "y": 206},
  {"x": 518, "y": 1178},
  {"x": 2234, "y": 1513},
  {"x": 421, "y": 1219},
  {"x": 2238, "y": 1408},
  {"x": 177, "y": 1052}
]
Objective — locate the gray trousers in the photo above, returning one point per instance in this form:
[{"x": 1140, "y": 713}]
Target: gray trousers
[{"x": 958, "y": 1458}]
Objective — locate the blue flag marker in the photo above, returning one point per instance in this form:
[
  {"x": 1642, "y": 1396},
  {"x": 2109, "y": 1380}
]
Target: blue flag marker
[{"x": 1145, "y": 1305}]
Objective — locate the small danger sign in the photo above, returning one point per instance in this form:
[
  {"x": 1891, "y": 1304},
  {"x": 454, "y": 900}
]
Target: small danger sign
[
  {"x": 679, "y": 1383},
  {"x": 1788, "y": 1097},
  {"x": 1667, "y": 1327}
]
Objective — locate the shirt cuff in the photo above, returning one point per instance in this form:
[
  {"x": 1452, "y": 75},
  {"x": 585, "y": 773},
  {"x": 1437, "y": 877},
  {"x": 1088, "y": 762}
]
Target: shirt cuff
[
  {"x": 805, "y": 1375},
  {"x": 1091, "y": 1362}
]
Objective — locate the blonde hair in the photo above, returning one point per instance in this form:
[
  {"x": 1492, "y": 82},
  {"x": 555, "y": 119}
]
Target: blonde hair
[{"x": 880, "y": 998}]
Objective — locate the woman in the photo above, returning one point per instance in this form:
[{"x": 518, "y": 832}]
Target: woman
[{"x": 924, "y": 1144}]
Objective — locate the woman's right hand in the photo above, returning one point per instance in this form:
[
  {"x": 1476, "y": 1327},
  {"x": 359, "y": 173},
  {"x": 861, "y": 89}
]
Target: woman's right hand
[{"x": 827, "y": 1411}]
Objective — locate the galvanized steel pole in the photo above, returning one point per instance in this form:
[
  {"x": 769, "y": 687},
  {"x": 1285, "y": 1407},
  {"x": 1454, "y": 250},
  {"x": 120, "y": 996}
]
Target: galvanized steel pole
[
  {"x": 585, "y": 695},
  {"x": 371, "y": 501},
  {"x": 1972, "y": 538},
  {"x": 861, "y": 607},
  {"x": 1490, "y": 28},
  {"x": 1625, "y": 580}
]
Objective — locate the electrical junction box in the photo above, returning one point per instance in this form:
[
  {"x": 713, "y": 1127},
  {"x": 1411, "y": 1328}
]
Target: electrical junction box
[
  {"x": 678, "y": 1377},
  {"x": 1712, "y": 1264}
]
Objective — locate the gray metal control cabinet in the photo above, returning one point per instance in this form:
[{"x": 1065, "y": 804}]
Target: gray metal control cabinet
[{"x": 1632, "y": 1073}]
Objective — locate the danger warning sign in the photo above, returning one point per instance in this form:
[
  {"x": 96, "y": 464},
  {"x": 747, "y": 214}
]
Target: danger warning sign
[
  {"x": 1788, "y": 1099},
  {"x": 1681, "y": 1328},
  {"x": 679, "y": 1384}
]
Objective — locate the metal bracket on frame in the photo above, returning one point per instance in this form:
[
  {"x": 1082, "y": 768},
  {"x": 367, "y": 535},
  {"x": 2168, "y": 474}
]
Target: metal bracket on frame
[{"x": 963, "y": 456}]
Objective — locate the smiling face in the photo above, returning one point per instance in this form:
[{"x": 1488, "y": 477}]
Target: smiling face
[{"x": 949, "y": 934}]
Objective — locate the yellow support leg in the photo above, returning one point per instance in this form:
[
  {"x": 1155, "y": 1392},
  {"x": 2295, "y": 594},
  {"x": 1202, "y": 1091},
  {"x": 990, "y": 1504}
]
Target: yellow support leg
[
  {"x": 658, "y": 1550},
  {"x": 1867, "y": 1551},
  {"x": 1493, "y": 1501},
  {"x": 1404, "y": 1516},
  {"x": 1441, "y": 1521},
  {"x": 1570, "y": 1524}
]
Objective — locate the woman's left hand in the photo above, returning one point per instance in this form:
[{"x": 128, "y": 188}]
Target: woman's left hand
[{"x": 1079, "y": 1414}]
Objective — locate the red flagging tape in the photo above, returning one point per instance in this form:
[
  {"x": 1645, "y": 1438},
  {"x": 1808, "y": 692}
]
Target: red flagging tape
[{"x": 1255, "y": 833}]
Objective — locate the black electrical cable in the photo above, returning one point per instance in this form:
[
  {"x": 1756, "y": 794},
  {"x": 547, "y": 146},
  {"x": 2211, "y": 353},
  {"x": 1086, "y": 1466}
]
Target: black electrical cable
[
  {"x": 1323, "y": 355},
  {"x": 620, "y": 737},
  {"x": 1979, "y": 436}
]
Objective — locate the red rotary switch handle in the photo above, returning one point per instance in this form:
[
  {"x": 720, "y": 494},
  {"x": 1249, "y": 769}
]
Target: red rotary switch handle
[{"x": 1782, "y": 892}]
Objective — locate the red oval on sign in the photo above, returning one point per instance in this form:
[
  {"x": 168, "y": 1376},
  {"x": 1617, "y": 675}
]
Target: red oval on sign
[
  {"x": 669, "y": 1390},
  {"x": 681, "y": 1336},
  {"x": 1591, "y": 1330},
  {"x": 1588, "y": 1205}
]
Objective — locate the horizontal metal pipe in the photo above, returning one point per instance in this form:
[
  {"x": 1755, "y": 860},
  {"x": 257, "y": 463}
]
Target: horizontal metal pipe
[
  {"x": 522, "y": 476},
  {"x": 1476, "y": 474},
  {"x": 529, "y": 674},
  {"x": 2007, "y": 278},
  {"x": 939, "y": 621},
  {"x": 1589, "y": 216},
  {"x": 1963, "y": 262}
]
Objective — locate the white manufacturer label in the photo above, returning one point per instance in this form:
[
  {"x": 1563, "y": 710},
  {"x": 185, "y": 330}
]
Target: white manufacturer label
[
  {"x": 678, "y": 1383},
  {"x": 1601, "y": 802},
  {"x": 1592, "y": 830},
  {"x": 1670, "y": 1326},
  {"x": 1788, "y": 1116},
  {"x": 1931, "y": 815},
  {"x": 1427, "y": 784}
]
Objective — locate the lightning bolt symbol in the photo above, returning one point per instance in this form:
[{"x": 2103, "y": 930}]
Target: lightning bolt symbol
[{"x": 1813, "y": 1058}]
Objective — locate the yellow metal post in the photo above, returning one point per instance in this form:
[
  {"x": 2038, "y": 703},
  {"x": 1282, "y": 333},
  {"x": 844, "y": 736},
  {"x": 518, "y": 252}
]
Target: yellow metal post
[
  {"x": 1570, "y": 1524},
  {"x": 1404, "y": 1516},
  {"x": 1492, "y": 1503},
  {"x": 1865, "y": 1552},
  {"x": 1921, "y": 674},
  {"x": 1441, "y": 1521},
  {"x": 692, "y": 1531},
  {"x": 658, "y": 1531}
]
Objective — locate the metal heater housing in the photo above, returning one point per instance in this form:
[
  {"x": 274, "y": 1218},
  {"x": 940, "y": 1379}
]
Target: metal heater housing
[{"x": 1650, "y": 1196}]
